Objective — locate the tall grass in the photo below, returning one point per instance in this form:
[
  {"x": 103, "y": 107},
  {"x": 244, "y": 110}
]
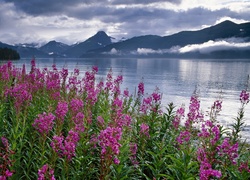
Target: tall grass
[{"x": 56, "y": 125}]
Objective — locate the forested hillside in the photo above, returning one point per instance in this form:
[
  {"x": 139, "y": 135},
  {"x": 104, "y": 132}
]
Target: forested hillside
[{"x": 8, "y": 54}]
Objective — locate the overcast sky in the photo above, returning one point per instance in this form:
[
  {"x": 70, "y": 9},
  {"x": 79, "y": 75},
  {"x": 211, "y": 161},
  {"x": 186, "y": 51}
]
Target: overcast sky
[{"x": 71, "y": 21}]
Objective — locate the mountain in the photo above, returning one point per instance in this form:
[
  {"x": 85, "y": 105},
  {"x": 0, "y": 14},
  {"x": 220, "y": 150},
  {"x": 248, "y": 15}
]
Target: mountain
[
  {"x": 30, "y": 52},
  {"x": 99, "y": 40},
  {"x": 226, "y": 29},
  {"x": 4, "y": 45},
  {"x": 222, "y": 31},
  {"x": 224, "y": 40},
  {"x": 31, "y": 45},
  {"x": 54, "y": 48}
]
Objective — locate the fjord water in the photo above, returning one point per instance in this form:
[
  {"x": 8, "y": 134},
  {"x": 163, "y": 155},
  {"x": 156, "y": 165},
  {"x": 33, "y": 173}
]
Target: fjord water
[{"x": 176, "y": 79}]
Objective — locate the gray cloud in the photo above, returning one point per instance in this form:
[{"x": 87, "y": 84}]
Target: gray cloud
[
  {"x": 68, "y": 20},
  {"x": 42, "y": 7}
]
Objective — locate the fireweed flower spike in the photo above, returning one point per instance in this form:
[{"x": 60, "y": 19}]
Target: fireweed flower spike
[
  {"x": 44, "y": 123},
  {"x": 180, "y": 113},
  {"x": 133, "y": 150},
  {"x": 228, "y": 151},
  {"x": 244, "y": 97},
  {"x": 65, "y": 147},
  {"x": 61, "y": 110},
  {"x": 140, "y": 89},
  {"x": 144, "y": 130},
  {"x": 183, "y": 137},
  {"x": 5, "y": 159},
  {"x": 46, "y": 173},
  {"x": 109, "y": 140},
  {"x": 76, "y": 105},
  {"x": 194, "y": 114}
]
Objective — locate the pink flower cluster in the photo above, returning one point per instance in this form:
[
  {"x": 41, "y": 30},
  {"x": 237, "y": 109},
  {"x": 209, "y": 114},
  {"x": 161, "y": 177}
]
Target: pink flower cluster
[
  {"x": 109, "y": 83},
  {"x": 210, "y": 131},
  {"x": 61, "y": 110},
  {"x": 89, "y": 86},
  {"x": 20, "y": 93},
  {"x": 109, "y": 142},
  {"x": 133, "y": 150},
  {"x": 117, "y": 82},
  {"x": 76, "y": 105},
  {"x": 206, "y": 171},
  {"x": 78, "y": 122},
  {"x": 226, "y": 150},
  {"x": 217, "y": 105},
  {"x": 146, "y": 104},
  {"x": 183, "y": 137},
  {"x": 6, "y": 162},
  {"x": 46, "y": 173},
  {"x": 244, "y": 167},
  {"x": 141, "y": 89},
  {"x": 144, "y": 130},
  {"x": 180, "y": 113},
  {"x": 44, "y": 123},
  {"x": 119, "y": 119},
  {"x": 65, "y": 147},
  {"x": 194, "y": 114},
  {"x": 244, "y": 97}
]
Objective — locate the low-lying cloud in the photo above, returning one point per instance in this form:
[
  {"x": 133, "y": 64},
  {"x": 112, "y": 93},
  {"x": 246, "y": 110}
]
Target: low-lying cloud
[
  {"x": 204, "y": 48},
  {"x": 211, "y": 46}
]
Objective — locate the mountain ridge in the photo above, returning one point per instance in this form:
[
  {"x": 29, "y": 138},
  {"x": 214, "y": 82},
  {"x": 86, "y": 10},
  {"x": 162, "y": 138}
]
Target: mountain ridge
[{"x": 102, "y": 45}]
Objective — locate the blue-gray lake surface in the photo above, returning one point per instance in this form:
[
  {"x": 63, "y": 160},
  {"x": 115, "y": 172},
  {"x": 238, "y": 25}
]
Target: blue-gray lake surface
[{"x": 176, "y": 78}]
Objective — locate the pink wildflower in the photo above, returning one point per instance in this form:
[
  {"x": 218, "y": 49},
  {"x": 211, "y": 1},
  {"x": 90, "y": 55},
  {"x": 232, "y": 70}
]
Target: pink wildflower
[
  {"x": 61, "y": 110},
  {"x": 133, "y": 151},
  {"x": 244, "y": 167},
  {"x": 65, "y": 147},
  {"x": 21, "y": 95},
  {"x": 244, "y": 97},
  {"x": 76, "y": 105},
  {"x": 44, "y": 123},
  {"x": 126, "y": 92},
  {"x": 141, "y": 89},
  {"x": 144, "y": 130},
  {"x": 78, "y": 121},
  {"x": 109, "y": 139},
  {"x": 194, "y": 112},
  {"x": 178, "y": 116},
  {"x": 116, "y": 161},
  {"x": 183, "y": 137},
  {"x": 227, "y": 150},
  {"x": 45, "y": 173},
  {"x": 206, "y": 171}
]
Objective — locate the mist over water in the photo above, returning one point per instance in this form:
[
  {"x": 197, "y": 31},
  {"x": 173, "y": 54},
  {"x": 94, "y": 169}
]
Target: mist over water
[{"x": 176, "y": 78}]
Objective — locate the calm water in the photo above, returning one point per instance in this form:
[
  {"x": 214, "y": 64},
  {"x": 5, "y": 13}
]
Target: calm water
[{"x": 176, "y": 79}]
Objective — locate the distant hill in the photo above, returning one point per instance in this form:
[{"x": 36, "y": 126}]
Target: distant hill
[{"x": 218, "y": 41}]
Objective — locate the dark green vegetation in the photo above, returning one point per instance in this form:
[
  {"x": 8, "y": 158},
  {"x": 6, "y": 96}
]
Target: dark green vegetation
[{"x": 8, "y": 54}]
